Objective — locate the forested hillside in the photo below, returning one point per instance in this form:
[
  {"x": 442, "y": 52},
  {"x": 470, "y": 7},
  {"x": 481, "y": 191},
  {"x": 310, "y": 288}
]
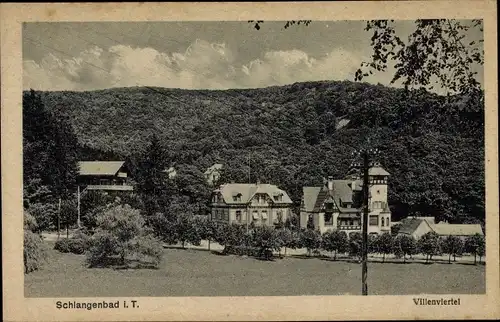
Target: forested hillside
[{"x": 295, "y": 135}]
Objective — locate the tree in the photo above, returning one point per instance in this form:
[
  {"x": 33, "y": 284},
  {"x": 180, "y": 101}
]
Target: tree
[
  {"x": 229, "y": 236},
  {"x": 429, "y": 245},
  {"x": 152, "y": 179},
  {"x": 285, "y": 238},
  {"x": 475, "y": 245},
  {"x": 121, "y": 234},
  {"x": 267, "y": 240},
  {"x": 355, "y": 244},
  {"x": 335, "y": 241},
  {"x": 404, "y": 245},
  {"x": 395, "y": 229},
  {"x": 437, "y": 52},
  {"x": 384, "y": 244},
  {"x": 453, "y": 246},
  {"x": 207, "y": 229},
  {"x": 49, "y": 152},
  {"x": 187, "y": 231},
  {"x": 311, "y": 240}
]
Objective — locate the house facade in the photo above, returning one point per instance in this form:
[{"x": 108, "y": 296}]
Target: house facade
[
  {"x": 213, "y": 173},
  {"x": 104, "y": 176},
  {"x": 337, "y": 204},
  {"x": 241, "y": 203}
]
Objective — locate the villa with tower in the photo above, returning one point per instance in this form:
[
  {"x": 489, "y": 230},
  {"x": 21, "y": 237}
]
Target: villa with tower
[{"x": 337, "y": 205}]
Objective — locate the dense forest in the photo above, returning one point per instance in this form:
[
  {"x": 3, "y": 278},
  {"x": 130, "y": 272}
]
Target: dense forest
[{"x": 296, "y": 135}]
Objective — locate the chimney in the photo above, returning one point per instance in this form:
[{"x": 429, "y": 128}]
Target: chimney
[{"x": 330, "y": 183}]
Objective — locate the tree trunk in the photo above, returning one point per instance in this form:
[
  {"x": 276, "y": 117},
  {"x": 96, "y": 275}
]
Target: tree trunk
[
  {"x": 209, "y": 244},
  {"x": 183, "y": 242},
  {"x": 404, "y": 258},
  {"x": 285, "y": 251},
  {"x": 383, "y": 258},
  {"x": 449, "y": 259},
  {"x": 475, "y": 259},
  {"x": 59, "y": 219},
  {"x": 67, "y": 230},
  {"x": 335, "y": 255},
  {"x": 480, "y": 259},
  {"x": 454, "y": 257}
]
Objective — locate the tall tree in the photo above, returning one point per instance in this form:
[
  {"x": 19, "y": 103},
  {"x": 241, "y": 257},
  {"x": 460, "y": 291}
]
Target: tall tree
[{"x": 152, "y": 183}]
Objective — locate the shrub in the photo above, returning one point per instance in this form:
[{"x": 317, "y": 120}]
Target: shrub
[
  {"x": 267, "y": 240},
  {"x": 120, "y": 237},
  {"x": 34, "y": 252},
  {"x": 355, "y": 245},
  {"x": 62, "y": 245},
  {"x": 29, "y": 222}
]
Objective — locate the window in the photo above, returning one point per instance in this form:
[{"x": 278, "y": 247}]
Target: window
[
  {"x": 383, "y": 221},
  {"x": 351, "y": 223},
  {"x": 255, "y": 215},
  {"x": 373, "y": 220},
  {"x": 387, "y": 222},
  {"x": 328, "y": 218},
  {"x": 264, "y": 215},
  {"x": 238, "y": 215},
  {"x": 279, "y": 216}
]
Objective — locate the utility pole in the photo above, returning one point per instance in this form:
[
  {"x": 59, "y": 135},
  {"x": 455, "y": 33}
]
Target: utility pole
[{"x": 366, "y": 165}]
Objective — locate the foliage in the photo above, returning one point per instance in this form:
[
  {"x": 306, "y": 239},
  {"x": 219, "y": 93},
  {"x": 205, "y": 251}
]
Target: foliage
[
  {"x": 384, "y": 244},
  {"x": 121, "y": 235},
  {"x": 34, "y": 252},
  {"x": 311, "y": 240},
  {"x": 45, "y": 215},
  {"x": 404, "y": 245},
  {"x": 437, "y": 52},
  {"x": 29, "y": 222},
  {"x": 267, "y": 240},
  {"x": 286, "y": 133},
  {"x": 335, "y": 241},
  {"x": 78, "y": 244},
  {"x": 429, "y": 245},
  {"x": 475, "y": 245},
  {"x": 395, "y": 229},
  {"x": 229, "y": 235},
  {"x": 453, "y": 246},
  {"x": 187, "y": 230},
  {"x": 285, "y": 238},
  {"x": 356, "y": 245},
  {"x": 373, "y": 246}
]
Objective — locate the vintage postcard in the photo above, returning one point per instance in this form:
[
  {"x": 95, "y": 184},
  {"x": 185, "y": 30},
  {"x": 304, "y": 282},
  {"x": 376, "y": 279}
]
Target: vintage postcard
[{"x": 250, "y": 161}]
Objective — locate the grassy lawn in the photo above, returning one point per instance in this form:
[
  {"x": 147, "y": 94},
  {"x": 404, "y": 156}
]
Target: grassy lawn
[{"x": 201, "y": 273}]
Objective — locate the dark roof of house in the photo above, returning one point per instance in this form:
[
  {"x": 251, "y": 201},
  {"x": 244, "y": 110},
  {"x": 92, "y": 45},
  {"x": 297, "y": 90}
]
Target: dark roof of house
[
  {"x": 314, "y": 197},
  {"x": 249, "y": 190},
  {"x": 99, "y": 168},
  {"x": 409, "y": 225}
]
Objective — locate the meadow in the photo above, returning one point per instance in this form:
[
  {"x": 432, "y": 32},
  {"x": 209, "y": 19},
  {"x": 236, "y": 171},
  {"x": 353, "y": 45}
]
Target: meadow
[{"x": 199, "y": 272}]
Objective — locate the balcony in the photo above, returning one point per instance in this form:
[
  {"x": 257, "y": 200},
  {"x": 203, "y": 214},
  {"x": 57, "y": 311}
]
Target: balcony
[
  {"x": 109, "y": 187},
  {"x": 348, "y": 227}
]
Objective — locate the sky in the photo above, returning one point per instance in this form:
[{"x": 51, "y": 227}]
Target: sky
[{"x": 194, "y": 55}]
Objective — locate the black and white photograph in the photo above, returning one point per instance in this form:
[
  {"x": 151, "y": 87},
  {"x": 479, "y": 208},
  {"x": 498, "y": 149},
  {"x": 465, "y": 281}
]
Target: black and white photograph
[{"x": 255, "y": 157}]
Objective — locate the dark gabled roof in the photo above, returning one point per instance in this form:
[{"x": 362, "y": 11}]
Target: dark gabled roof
[
  {"x": 314, "y": 197},
  {"x": 410, "y": 224}
]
